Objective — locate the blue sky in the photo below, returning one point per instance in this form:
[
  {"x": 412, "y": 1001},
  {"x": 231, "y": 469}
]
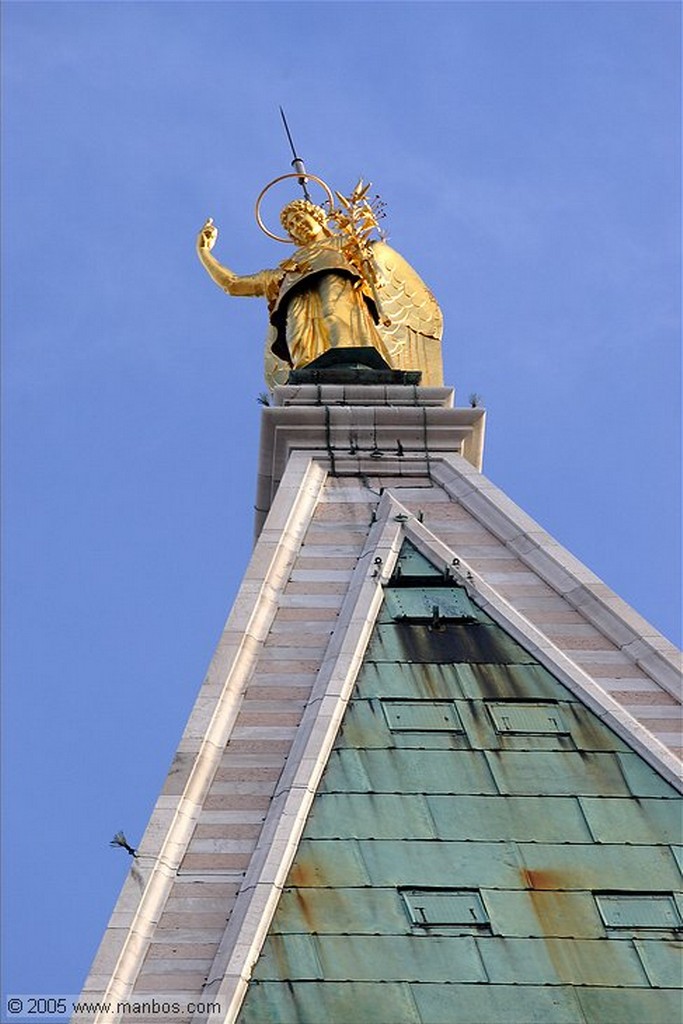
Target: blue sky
[{"x": 528, "y": 154}]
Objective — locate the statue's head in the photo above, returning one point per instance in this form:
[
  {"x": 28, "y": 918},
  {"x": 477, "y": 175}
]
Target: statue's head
[{"x": 304, "y": 221}]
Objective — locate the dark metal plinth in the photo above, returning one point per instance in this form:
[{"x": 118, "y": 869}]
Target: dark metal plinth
[{"x": 352, "y": 366}]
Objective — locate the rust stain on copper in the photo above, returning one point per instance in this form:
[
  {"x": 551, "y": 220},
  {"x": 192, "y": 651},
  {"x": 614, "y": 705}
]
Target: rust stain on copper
[
  {"x": 549, "y": 906},
  {"x": 279, "y": 950},
  {"x": 540, "y": 879},
  {"x": 305, "y": 910},
  {"x": 303, "y": 874}
]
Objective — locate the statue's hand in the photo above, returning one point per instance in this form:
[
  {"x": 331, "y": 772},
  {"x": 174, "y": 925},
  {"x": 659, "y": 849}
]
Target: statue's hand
[{"x": 206, "y": 239}]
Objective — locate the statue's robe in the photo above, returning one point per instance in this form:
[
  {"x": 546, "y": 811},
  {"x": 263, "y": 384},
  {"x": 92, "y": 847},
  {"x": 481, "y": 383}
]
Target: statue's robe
[{"x": 317, "y": 301}]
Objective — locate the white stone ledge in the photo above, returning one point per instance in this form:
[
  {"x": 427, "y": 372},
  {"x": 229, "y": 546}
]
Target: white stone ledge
[
  {"x": 247, "y": 626},
  {"x": 289, "y": 808},
  {"x": 362, "y": 395},
  {"x": 572, "y": 581}
]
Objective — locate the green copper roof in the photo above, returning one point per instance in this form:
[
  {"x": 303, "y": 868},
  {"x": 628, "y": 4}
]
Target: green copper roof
[{"x": 481, "y": 849}]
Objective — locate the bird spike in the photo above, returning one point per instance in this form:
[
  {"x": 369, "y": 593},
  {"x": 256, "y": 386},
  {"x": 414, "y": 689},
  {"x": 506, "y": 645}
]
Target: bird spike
[{"x": 120, "y": 840}]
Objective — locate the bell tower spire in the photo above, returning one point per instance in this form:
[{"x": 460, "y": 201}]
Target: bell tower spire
[{"x": 435, "y": 761}]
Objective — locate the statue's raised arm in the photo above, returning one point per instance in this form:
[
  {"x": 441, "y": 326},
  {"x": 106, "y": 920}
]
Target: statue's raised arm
[
  {"x": 261, "y": 283},
  {"x": 338, "y": 289}
]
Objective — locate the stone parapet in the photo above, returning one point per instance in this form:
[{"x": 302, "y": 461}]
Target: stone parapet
[
  {"x": 362, "y": 394},
  {"x": 361, "y": 430}
]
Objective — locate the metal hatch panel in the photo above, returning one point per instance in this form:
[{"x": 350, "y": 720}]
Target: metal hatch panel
[
  {"x": 511, "y": 717},
  {"x": 419, "y": 603},
  {"x": 639, "y": 911},
  {"x": 422, "y": 716},
  {"x": 413, "y": 565}
]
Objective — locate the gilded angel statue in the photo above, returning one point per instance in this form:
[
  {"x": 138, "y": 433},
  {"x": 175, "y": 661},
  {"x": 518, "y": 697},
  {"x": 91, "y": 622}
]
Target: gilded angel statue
[{"x": 341, "y": 288}]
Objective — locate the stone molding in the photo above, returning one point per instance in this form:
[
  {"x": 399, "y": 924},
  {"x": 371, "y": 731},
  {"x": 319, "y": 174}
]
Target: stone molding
[
  {"x": 279, "y": 839},
  {"x": 166, "y": 839},
  {"x": 582, "y": 589},
  {"x": 363, "y": 431}
]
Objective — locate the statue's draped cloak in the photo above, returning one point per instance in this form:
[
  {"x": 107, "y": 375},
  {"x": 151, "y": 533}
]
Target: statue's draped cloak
[
  {"x": 325, "y": 310},
  {"x": 317, "y": 301}
]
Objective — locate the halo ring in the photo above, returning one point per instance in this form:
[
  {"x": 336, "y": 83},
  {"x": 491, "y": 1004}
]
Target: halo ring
[{"x": 283, "y": 177}]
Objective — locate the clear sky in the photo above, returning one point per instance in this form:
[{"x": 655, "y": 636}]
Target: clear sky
[{"x": 528, "y": 154}]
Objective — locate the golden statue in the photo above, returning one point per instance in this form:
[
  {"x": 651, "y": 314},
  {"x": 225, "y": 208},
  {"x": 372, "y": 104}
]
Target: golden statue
[{"x": 341, "y": 288}]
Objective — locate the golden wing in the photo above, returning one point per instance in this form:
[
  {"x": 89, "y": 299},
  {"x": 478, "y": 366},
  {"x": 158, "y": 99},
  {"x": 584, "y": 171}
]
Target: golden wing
[{"x": 413, "y": 338}]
